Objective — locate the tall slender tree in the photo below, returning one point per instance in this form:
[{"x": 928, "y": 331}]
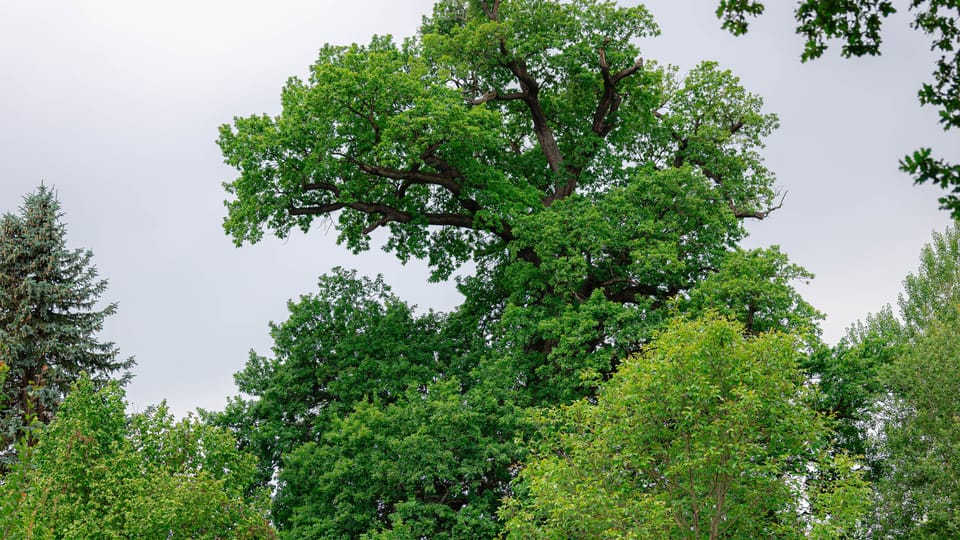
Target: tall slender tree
[{"x": 49, "y": 316}]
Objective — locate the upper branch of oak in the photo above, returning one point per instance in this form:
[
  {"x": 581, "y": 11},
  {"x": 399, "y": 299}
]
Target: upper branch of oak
[
  {"x": 447, "y": 177},
  {"x": 603, "y": 119},
  {"x": 610, "y": 99}
]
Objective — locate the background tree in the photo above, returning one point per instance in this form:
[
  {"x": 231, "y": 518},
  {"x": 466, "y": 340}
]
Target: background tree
[
  {"x": 933, "y": 292},
  {"x": 921, "y": 438},
  {"x": 434, "y": 464},
  {"x": 708, "y": 434},
  {"x": 891, "y": 383},
  {"x": 917, "y": 444},
  {"x": 755, "y": 287},
  {"x": 95, "y": 473},
  {"x": 351, "y": 341},
  {"x": 851, "y": 383},
  {"x": 588, "y": 185},
  {"x": 857, "y": 24},
  {"x": 49, "y": 316},
  {"x": 372, "y": 416}
]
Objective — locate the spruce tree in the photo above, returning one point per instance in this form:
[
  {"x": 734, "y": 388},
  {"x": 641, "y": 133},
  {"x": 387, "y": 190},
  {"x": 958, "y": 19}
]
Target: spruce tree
[{"x": 49, "y": 317}]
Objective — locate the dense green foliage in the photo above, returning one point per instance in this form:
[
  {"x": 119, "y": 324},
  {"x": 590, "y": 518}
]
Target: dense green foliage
[
  {"x": 858, "y": 24},
  {"x": 96, "y": 473},
  {"x": 921, "y": 443},
  {"x": 707, "y": 434},
  {"x": 850, "y": 377},
  {"x": 891, "y": 383},
  {"x": 917, "y": 451},
  {"x": 373, "y": 416},
  {"x": 619, "y": 367},
  {"x": 590, "y": 188},
  {"x": 48, "y": 316},
  {"x": 597, "y": 194}
]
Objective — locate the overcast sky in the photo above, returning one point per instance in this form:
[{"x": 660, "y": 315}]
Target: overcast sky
[{"x": 116, "y": 104}]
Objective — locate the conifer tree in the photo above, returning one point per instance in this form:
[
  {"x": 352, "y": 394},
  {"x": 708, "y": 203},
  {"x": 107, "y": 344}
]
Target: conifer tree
[{"x": 49, "y": 317}]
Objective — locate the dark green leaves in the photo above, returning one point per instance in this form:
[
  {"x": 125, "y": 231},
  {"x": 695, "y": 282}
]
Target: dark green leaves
[{"x": 48, "y": 316}]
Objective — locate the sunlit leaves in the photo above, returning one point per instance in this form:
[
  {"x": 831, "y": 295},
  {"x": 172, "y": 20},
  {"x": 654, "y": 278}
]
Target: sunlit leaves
[
  {"x": 708, "y": 434},
  {"x": 95, "y": 473}
]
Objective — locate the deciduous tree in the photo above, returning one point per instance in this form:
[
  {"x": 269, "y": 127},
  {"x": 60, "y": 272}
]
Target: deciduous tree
[
  {"x": 920, "y": 445},
  {"x": 96, "y": 473},
  {"x": 589, "y": 187},
  {"x": 707, "y": 434}
]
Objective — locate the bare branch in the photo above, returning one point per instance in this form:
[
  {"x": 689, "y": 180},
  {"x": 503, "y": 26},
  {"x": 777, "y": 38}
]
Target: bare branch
[
  {"x": 757, "y": 214},
  {"x": 493, "y": 95}
]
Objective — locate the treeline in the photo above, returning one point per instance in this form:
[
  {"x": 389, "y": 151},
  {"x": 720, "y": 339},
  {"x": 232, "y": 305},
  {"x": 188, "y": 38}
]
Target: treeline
[{"x": 619, "y": 367}]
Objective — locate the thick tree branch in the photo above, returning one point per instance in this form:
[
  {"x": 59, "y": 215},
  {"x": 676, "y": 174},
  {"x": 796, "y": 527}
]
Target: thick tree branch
[
  {"x": 388, "y": 214},
  {"x": 316, "y": 210},
  {"x": 493, "y": 95},
  {"x": 321, "y": 186},
  {"x": 610, "y": 100},
  {"x": 492, "y": 10},
  {"x": 413, "y": 176},
  {"x": 392, "y": 215},
  {"x": 530, "y": 90}
]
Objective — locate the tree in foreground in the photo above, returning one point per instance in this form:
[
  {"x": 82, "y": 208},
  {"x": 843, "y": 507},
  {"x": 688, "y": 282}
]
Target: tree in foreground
[
  {"x": 96, "y": 473},
  {"x": 858, "y": 24},
  {"x": 707, "y": 434},
  {"x": 49, "y": 317}
]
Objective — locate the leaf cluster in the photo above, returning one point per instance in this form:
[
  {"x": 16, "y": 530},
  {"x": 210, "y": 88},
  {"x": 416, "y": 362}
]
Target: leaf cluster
[
  {"x": 707, "y": 434},
  {"x": 95, "y": 473}
]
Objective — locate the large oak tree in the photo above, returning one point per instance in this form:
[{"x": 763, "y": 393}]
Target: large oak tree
[
  {"x": 592, "y": 189},
  {"x": 533, "y": 139}
]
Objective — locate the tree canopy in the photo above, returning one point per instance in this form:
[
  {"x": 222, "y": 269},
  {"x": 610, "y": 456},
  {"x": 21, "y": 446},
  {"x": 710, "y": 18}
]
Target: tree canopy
[
  {"x": 493, "y": 113},
  {"x": 588, "y": 185},
  {"x": 917, "y": 449},
  {"x": 596, "y": 193}
]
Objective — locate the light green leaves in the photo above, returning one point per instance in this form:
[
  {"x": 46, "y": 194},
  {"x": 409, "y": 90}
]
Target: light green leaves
[
  {"x": 95, "y": 473},
  {"x": 707, "y": 434}
]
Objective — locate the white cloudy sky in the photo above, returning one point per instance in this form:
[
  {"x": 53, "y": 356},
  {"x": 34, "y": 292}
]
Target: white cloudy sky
[{"x": 116, "y": 104}]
